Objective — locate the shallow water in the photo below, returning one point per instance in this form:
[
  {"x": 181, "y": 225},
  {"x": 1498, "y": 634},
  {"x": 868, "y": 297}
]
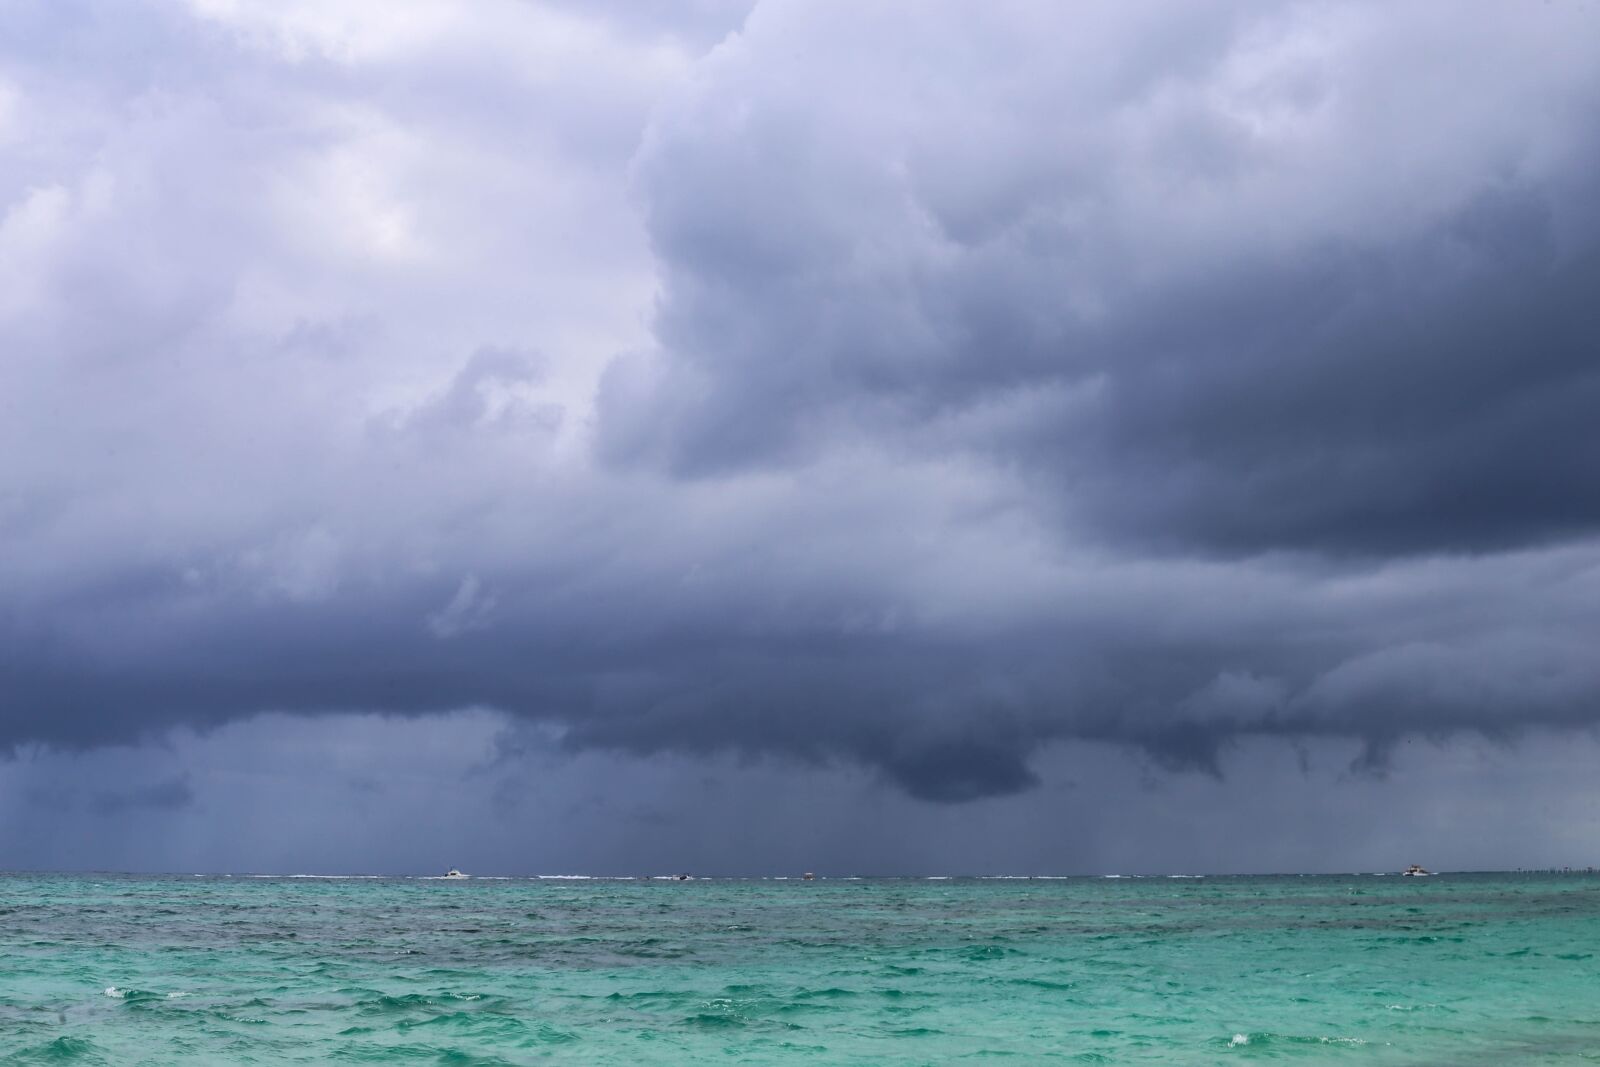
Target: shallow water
[{"x": 1458, "y": 969}]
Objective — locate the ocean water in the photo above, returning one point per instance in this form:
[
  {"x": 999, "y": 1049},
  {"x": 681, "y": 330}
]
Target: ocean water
[{"x": 1453, "y": 969}]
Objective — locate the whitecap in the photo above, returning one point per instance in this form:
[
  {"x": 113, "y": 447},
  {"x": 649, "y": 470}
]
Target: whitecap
[
  {"x": 1239, "y": 1039},
  {"x": 320, "y": 877},
  {"x": 113, "y": 991},
  {"x": 332, "y": 877}
]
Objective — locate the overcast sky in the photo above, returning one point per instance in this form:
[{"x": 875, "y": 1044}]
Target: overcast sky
[{"x": 759, "y": 435}]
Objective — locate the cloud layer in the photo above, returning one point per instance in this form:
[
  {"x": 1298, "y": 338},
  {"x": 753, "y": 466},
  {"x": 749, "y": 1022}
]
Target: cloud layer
[{"x": 816, "y": 381}]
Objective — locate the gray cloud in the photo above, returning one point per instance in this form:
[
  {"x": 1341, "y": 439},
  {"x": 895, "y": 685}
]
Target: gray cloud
[
  {"x": 168, "y": 795},
  {"x": 1234, "y": 298},
  {"x": 55, "y": 797},
  {"x": 804, "y": 384},
  {"x": 282, "y": 794}
]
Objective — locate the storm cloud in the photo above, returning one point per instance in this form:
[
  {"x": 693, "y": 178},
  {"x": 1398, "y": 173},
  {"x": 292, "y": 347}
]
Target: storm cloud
[
  {"x": 1221, "y": 281},
  {"x": 847, "y": 388}
]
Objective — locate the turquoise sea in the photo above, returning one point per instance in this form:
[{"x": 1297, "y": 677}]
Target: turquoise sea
[{"x": 1453, "y": 969}]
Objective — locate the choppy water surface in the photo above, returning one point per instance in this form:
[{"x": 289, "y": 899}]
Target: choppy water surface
[{"x": 1451, "y": 969}]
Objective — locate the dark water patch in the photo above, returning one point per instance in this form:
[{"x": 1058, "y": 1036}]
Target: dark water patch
[
  {"x": 65, "y": 1049},
  {"x": 794, "y": 1048},
  {"x": 396, "y": 1003},
  {"x": 654, "y": 948},
  {"x": 986, "y": 953},
  {"x": 548, "y": 1034},
  {"x": 429, "y": 1003},
  {"x": 458, "y": 1058},
  {"x": 378, "y": 1052},
  {"x": 802, "y": 1009},
  {"x": 1420, "y": 939},
  {"x": 480, "y": 1025},
  {"x": 828, "y": 993},
  {"x": 648, "y": 996}
]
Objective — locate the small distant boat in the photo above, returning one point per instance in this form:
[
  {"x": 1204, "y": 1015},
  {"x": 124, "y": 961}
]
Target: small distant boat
[
  {"x": 453, "y": 873},
  {"x": 1415, "y": 871},
  {"x": 808, "y": 877}
]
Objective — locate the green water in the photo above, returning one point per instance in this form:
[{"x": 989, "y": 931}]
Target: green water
[{"x": 1457, "y": 969}]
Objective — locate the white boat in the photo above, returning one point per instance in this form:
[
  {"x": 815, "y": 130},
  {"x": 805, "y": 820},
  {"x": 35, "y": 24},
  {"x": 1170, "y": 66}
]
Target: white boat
[
  {"x": 1415, "y": 871},
  {"x": 453, "y": 873}
]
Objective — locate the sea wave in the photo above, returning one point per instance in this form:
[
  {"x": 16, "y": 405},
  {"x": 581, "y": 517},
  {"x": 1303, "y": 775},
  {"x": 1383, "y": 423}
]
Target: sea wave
[
  {"x": 362, "y": 971},
  {"x": 64, "y": 1049}
]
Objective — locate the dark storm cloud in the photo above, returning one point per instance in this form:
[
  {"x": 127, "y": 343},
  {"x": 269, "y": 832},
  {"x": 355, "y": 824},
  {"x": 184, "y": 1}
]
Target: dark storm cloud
[
  {"x": 949, "y": 710},
  {"x": 1323, "y": 415},
  {"x": 274, "y": 794},
  {"x": 1389, "y": 345},
  {"x": 1166, "y": 378}
]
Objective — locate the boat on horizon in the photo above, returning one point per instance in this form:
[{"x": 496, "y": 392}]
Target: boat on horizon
[
  {"x": 453, "y": 873},
  {"x": 1415, "y": 871}
]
